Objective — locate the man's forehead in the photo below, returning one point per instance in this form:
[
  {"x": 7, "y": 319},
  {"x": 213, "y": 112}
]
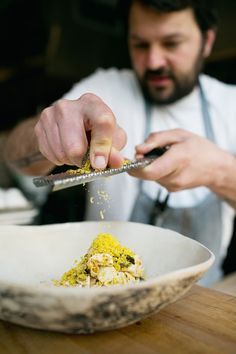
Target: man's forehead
[
  {"x": 144, "y": 20},
  {"x": 168, "y": 36}
]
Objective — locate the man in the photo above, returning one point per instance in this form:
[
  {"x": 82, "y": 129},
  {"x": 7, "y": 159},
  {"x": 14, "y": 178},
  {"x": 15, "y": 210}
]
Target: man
[{"x": 164, "y": 102}]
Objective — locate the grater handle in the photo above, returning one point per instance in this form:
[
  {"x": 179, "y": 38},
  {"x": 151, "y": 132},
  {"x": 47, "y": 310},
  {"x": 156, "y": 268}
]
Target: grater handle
[{"x": 157, "y": 152}]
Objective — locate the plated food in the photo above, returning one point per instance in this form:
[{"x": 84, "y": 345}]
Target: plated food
[
  {"x": 106, "y": 263},
  {"x": 31, "y": 256}
]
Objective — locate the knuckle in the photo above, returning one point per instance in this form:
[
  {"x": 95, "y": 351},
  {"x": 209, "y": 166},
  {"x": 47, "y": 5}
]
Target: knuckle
[
  {"x": 102, "y": 142},
  {"x": 45, "y": 113},
  {"x": 61, "y": 156},
  {"x": 62, "y": 105},
  {"x": 75, "y": 151},
  {"x": 88, "y": 97},
  {"x": 102, "y": 109},
  {"x": 94, "y": 102},
  {"x": 181, "y": 133},
  {"x": 179, "y": 184},
  {"x": 46, "y": 116},
  {"x": 106, "y": 120},
  {"x": 152, "y": 135},
  {"x": 172, "y": 189},
  {"x": 178, "y": 131}
]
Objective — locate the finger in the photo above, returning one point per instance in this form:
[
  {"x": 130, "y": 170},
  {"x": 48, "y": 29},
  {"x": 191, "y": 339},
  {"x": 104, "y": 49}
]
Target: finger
[
  {"x": 119, "y": 139},
  {"x": 115, "y": 159},
  {"x": 162, "y": 139},
  {"x": 51, "y": 134},
  {"x": 74, "y": 143},
  {"x": 51, "y": 131},
  {"x": 71, "y": 131},
  {"x": 160, "y": 168},
  {"x": 102, "y": 123},
  {"x": 43, "y": 145}
]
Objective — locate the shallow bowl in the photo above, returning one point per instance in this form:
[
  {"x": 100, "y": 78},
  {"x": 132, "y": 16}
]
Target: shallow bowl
[{"x": 32, "y": 256}]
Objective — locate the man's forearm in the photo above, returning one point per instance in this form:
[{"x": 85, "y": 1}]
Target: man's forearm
[{"x": 21, "y": 151}]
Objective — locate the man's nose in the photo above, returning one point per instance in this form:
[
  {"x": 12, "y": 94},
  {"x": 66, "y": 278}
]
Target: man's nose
[{"x": 156, "y": 58}]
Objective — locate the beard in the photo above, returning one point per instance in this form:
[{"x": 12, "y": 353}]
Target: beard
[{"x": 182, "y": 85}]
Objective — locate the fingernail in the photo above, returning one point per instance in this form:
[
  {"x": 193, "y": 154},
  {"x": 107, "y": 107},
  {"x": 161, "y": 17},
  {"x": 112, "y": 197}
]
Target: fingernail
[{"x": 99, "y": 162}]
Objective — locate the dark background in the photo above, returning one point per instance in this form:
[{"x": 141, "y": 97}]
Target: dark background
[{"x": 47, "y": 45}]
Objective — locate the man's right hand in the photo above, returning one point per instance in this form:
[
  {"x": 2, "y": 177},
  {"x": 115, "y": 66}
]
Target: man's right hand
[{"x": 66, "y": 129}]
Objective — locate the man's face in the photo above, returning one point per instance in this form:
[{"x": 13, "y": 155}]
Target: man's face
[{"x": 167, "y": 52}]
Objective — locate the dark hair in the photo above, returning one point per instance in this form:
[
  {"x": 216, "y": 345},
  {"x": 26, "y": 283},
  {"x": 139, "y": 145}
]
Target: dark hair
[{"x": 204, "y": 11}]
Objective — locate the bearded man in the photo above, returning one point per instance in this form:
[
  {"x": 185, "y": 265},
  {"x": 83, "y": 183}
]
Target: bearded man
[{"x": 164, "y": 101}]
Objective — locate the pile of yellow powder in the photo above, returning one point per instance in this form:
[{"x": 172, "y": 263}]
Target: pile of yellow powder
[{"x": 104, "y": 244}]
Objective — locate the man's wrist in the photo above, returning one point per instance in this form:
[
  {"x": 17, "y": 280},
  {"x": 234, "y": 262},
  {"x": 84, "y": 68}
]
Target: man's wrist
[{"x": 224, "y": 179}]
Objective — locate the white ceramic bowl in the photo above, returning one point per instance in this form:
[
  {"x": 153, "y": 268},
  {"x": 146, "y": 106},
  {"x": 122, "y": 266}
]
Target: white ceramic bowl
[{"x": 31, "y": 256}]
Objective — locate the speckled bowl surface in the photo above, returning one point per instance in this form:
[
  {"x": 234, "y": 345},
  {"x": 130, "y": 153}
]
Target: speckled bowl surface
[{"x": 32, "y": 256}]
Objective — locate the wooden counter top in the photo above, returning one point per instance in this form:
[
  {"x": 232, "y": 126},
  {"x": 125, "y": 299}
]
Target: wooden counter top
[{"x": 202, "y": 321}]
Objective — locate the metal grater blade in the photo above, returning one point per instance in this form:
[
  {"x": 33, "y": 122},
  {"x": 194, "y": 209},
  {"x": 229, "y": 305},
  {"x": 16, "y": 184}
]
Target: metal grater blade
[{"x": 65, "y": 180}]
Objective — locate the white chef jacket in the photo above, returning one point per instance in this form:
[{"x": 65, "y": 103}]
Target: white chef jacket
[{"x": 120, "y": 90}]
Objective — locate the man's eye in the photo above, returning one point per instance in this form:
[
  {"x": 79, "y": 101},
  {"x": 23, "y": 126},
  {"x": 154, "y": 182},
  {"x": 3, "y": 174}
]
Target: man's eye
[
  {"x": 140, "y": 45},
  {"x": 172, "y": 45}
]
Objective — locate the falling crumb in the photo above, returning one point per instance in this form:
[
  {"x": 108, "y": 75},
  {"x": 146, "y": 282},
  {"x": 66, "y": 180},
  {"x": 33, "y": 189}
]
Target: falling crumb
[
  {"x": 102, "y": 214},
  {"x": 103, "y": 195}
]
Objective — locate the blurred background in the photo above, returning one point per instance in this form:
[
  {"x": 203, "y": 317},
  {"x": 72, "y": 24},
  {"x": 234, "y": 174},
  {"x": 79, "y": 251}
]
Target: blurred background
[{"x": 48, "y": 45}]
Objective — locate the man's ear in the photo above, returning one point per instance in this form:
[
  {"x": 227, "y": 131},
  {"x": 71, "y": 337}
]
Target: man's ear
[{"x": 209, "y": 38}]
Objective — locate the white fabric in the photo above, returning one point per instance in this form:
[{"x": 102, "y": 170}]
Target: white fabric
[
  {"x": 12, "y": 198},
  {"x": 15, "y": 208},
  {"x": 120, "y": 91}
]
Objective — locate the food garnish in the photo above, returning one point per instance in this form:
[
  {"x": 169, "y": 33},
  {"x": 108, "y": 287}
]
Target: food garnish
[{"x": 106, "y": 263}]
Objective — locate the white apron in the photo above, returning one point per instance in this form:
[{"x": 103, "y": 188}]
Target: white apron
[{"x": 202, "y": 222}]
